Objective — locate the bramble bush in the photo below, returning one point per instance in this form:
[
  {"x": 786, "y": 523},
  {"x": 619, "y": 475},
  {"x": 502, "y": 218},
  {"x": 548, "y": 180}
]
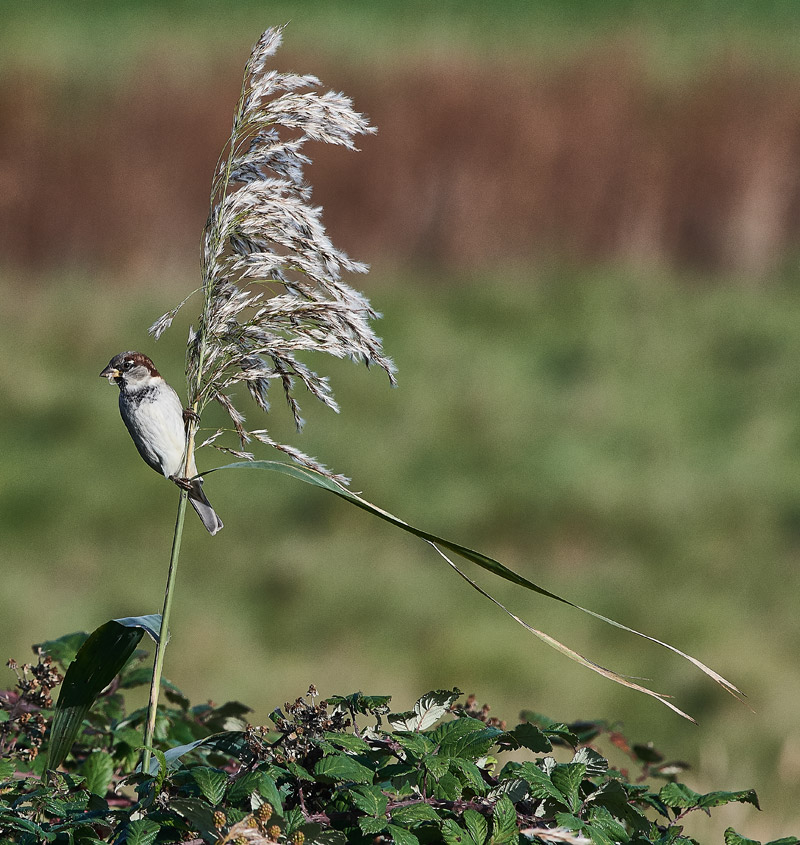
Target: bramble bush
[{"x": 343, "y": 769}]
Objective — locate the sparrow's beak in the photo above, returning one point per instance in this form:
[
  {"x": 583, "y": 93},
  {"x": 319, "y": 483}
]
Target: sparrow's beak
[{"x": 110, "y": 373}]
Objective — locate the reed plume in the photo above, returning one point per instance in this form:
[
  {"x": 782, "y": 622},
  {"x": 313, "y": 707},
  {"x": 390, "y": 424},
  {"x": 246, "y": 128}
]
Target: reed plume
[{"x": 272, "y": 282}]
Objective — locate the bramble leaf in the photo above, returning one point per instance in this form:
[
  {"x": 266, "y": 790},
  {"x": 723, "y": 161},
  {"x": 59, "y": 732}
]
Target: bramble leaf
[
  {"x": 340, "y": 767},
  {"x": 681, "y": 796},
  {"x": 7, "y": 769},
  {"x": 525, "y": 735},
  {"x": 370, "y": 800},
  {"x": 595, "y": 763},
  {"x": 504, "y": 822},
  {"x": 401, "y": 836},
  {"x": 141, "y": 832},
  {"x": 567, "y": 778},
  {"x": 371, "y": 825},
  {"x": 98, "y": 769},
  {"x": 427, "y": 711},
  {"x": 212, "y": 783},
  {"x": 733, "y": 838},
  {"x": 540, "y": 784},
  {"x": 414, "y": 814},
  {"x": 477, "y": 826}
]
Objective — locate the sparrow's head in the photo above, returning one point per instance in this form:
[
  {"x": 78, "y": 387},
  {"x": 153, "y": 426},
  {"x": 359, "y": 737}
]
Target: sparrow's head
[{"x": 130, "y": 370}]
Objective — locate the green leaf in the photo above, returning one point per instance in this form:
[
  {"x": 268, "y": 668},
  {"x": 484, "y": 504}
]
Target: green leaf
[
  {"x": 174, "y": 695},
  {"x": 416, "y": 814},
  {"x": 733, "y": 838},
  {"x": 469, "y": 774},
  {"x": 647, "y": 753},
  {"x": 557, "y": 732},
  {"x": 199, "y": 815},
  {"x": 298, "y": 771},
  {"x": 401, "y": 836},
  {"x": 435, "y": 765},
  {"x": 477, "y": 826},
  {"x": 504, "y": 822},
  {"x": 679, "y": 795},
  {"x": 212, "y": 783},
  {"x": 370, "y": 825},
  {"x": 525, "y": 735},
  {"x": 447, "y": 788},
  {"x": 717, "y": 799},
  {"x": 567, "y": 778},
  {"x": 495, "y": 567},
  {"x": 447, "y": 733},
  {"x": 98, "y": 769},
  {"x": 268, "y": 790},
  {"x": 370, "y": 800},
  {"x": 138, "y": 677},
  {"x": 64, "y": 649},
  {"x": 231, "y": 716},
  {"x": 141, "y": 832},
  {"x": 517, "y": 789},
  {"x": 150, "y": 624},
  {"x": 128, "y": 735},
  {"x": 98, "y": 661},
  {"x": 359, "y": 703},
  {"x": 540, "y": 783},
  {"x": 26, "y": 826},
  {"x": 600, "y": 820},
  {"x": 340, "y": 767},
  {"x": 244, "y": 786},
  {"x": 569, "y": 821},
  {"x": 350, "y": 742},
  {"x": 230, "y": 743},
  {"x": 427, "y": 711},
  {"x": 293, "y": 819},
  {"x": 613, "y": 796},
  {"x": 66, "y": 808},
  {"x": 7, "y": 769},
  {"x": 465, "y": 738},
  {"x": 595, "y": 763},
  {"x": 417, "y": 745},
  {"x": 452, "y": 834}
]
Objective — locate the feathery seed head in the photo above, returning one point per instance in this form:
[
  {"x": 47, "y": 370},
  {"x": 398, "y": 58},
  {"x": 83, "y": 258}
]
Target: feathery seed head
[{"x": 272, "y": 279}]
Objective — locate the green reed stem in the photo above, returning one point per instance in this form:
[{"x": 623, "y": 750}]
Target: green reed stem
[{"x": 158, "y": 663}]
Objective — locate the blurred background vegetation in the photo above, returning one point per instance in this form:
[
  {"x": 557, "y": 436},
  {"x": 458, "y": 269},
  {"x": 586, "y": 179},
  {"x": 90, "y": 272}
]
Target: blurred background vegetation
[{"x": 582, "y": 220}]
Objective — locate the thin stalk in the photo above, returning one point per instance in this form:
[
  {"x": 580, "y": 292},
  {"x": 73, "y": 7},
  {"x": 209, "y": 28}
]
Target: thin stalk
[{"x": 158, "y": 663}]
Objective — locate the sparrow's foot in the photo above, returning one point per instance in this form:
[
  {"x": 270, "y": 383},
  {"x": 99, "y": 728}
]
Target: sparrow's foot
[
  {"x": 183, "y": 483},
  {"x": 190, "y": 416}
]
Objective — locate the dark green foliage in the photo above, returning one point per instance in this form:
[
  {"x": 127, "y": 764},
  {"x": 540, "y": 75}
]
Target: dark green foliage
[
  {"x": 333, "y": 772},
  {"x": 97, "y": 661}
]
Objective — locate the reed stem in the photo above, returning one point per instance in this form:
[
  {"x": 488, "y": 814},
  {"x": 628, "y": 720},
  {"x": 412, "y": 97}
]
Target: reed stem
[{"x": 158, "y": 662}]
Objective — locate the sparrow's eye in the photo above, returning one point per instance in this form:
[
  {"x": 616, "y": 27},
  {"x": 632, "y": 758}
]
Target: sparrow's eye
[{"x": 127, "y": 365}]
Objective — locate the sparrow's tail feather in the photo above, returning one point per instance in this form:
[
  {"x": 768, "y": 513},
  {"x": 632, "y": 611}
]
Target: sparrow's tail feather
[{"x": 200, "y": 503}]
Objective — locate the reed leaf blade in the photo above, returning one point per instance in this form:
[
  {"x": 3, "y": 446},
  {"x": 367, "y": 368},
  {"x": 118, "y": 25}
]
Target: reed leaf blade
[
  {"x": 491, "y": 565},
  {"x": 97, "y": 662}
]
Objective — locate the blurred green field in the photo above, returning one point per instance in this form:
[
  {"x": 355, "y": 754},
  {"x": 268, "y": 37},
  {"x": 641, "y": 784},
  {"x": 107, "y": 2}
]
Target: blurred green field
[
  {"x": 99, "y": 37},
  {"x": 632, "y": 443}
]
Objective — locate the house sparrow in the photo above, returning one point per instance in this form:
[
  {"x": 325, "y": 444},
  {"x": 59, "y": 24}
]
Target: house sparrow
[{"x": 154, "y": 417}]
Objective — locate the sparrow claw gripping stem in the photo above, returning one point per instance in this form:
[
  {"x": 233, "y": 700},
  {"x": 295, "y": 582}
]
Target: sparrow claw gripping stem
[{"x": 190, "y": 416}]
